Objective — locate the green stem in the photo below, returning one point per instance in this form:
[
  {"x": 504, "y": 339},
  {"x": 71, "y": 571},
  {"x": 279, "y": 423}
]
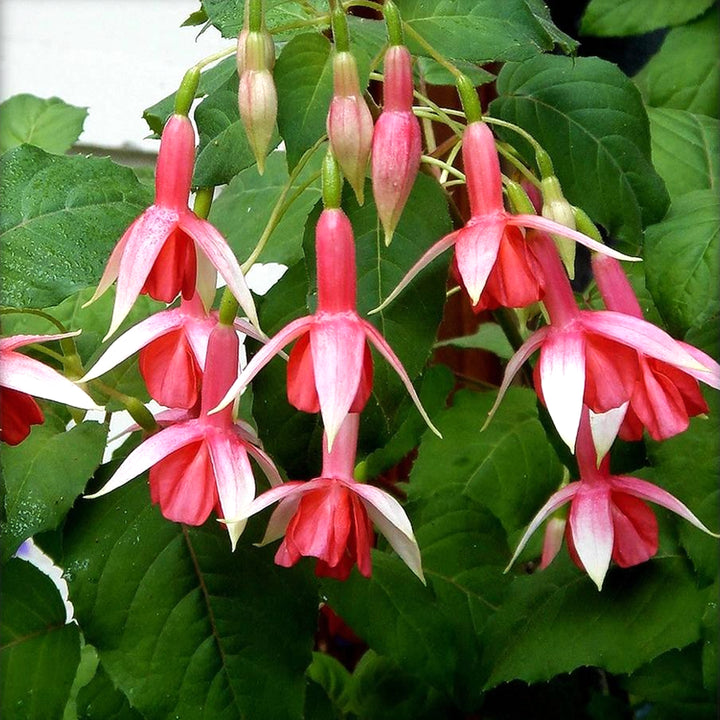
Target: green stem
[
  {"x": 393, "y": 22},
  {"x": 517, "y": 164},
  {"x": 431, "y": 51},
  {"x": 203, "y": 202},
  {"x": 541, "y": 156},
  {"x": 138, "y": 412},
  {"x": 341, "y": 36},
  {"x": 255, "y": 15},
  {"x": 39, "y": 313},
  {"x": 469, "y": 98},
  {"x": 442, "y": 164},
  {"x": 186, "y": 92}
]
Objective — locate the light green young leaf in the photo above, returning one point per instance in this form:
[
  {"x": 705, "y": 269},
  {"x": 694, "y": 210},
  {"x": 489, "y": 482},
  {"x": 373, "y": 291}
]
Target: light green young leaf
[
  {"x": 50, "y": 124},
  {"x": 613, "y": 18},
  {"x": 685, "y": 73}
]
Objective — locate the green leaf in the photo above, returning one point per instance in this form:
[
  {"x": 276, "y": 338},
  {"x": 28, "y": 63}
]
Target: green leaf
[
  {"x": 224, "y": 150},
  {"x": 686, "y": 466},
  {"x": 61, "y": 217},
  {"x": 508, "y": 468},
  {"x": 685, "y": 149},
  {"x": 590, "y": 118},
  {"x": 555, "y": 620},
  {"x": 566, "y": 43},
  {"x": 39, "y": 653},
  {"x": 613, "y": 18},
  {"x": 475, "y": 30},
  {"x": 244, "y": 207},
  {"x": 435, "y": 74},
  {"x": 43, "y": 476},
  {"x": 227, "y": 15},
  {"x": 685, "y": 73},
  {"x": 303, "y": 76},
  {"x": 334, "y": 678},
  {"x": 489, "y": 336},
  {"x": 183, "y": 626},
  {"x": 51, "y": 124},
  {"x": 101, "y": 700},
  {"x": 199, "y": 17},
  {"x": 210, "y": 80},
  {"x": 681, "y": 261}
]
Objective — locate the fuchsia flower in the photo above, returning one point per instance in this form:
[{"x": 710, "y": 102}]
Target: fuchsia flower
[
  {"x": 329, "y": 518},
  {"x": 330, "y": 366},
  {"x": 488, "y": 249},
  {"x": 163, "y": 253},
  {"x": 608, "y": 517},
  {"x": 593, "y": 357},
  {"x": 201, "y": 463},
  {"x": 173, "y": 347},
  {"x": 664, "y": 397},
  {"x": 21, "y": 377},
  {"x": 349, "y": 123},
  {"x": 396, "y": 143}
]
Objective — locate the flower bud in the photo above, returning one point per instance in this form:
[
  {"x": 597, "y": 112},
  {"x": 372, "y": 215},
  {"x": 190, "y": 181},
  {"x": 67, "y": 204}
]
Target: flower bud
[
  {"x": 257, "y": 53},
  {"x": 396, "y": 146},
  {"x": 173, "y": 176},
  {"x": 257, "y": 97},
  {"x": 349, "y": 123},
  {"x": 556, "y": 207}
]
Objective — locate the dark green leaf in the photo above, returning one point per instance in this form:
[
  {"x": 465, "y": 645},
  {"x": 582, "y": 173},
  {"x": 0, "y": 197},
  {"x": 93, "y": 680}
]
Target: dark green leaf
[
  {"x": 303, "y": 76},
  {"x": 508, "y": 468},
  {"x": 224, "y": 150},
  {"x": 687, "y": 466},
  {"x": 210, "y": 80},
  {"x": 227, "y": 15},
  {"x": 612, "y": 18},
  {"x": 61, "y": 217},
  {"x": 435, "y": 74},
  {"x": 183, "y": 626},
  {"x": 476, "y": 30},
  {"x": 43, "y": 476},
  {"x": 39, "y": 653},
  {"x": 489, "y": 336},
  {"x": 244, "y": 207},
  {"x": 685, "y": 149},
  {"x": 556, "y": 620},
  {"x": 710, "y": 666},
  {"x": 50, "y": 124},
  {"x": 681, "y": 261},
  {"x": 590, "y": 118},
  {"x": 101, "y": 700},
  {"x": 432, "y": 631},
  {"x": 685, "y": 73},
  {"x": 566, "y": 43},
  {"x": 334, "y": 678}
]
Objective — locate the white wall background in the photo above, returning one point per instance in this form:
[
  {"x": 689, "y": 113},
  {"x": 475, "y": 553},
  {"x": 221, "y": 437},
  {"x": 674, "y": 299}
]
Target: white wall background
[{"x": 115, "y": 57}]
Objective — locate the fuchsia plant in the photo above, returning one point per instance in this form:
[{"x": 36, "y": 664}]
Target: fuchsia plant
[{"x": 183, "y": 621}]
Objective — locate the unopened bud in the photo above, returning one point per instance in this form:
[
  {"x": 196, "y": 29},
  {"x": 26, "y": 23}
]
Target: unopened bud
[
  {"x": 349, "y": 123},
  {"x": 255, "y": 51},
  {"x": 556, "y": 207},
  {"x": 257, "y": 100}
]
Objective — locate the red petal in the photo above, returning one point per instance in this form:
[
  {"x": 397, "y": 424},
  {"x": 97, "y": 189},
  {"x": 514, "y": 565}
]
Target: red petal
[
  {"x": 19, "y": 412},
  {"x": 301, "y": 390},
  {"x": 174, "y": 270},
  {"x": 636, "y": 530}
]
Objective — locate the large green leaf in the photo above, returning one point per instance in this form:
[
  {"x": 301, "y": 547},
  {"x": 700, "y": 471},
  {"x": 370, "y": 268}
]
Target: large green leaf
[
  {"x": 227, "y": 15},
  {"x": 244, "y": 207},
  {"x": 681, "y": 261},
  {"x": 432, "y": 631},
  {"x": 101, "y": 700},
  {"x": 542, "y": 13},
  {"x": 612, "y": 18},
  {"x": 61, "y": 217},
  {"x": 43, "y": 475},
  {"x": 590, "y": 118},
  {"x": 476, "y": 30},
  {"x": 51, "y": 124},
  {"x": 686, "y": 150},
  {"x": 555, "y": 621},
  {"x": 39, "y": 653},
  {"x": 303, "y": 75},
  {"x": 685, "y": 73},
  {"x": 687, "y": 466},
  {"x": 183, "y": 626},
  {"x": 509, "y": 468}
]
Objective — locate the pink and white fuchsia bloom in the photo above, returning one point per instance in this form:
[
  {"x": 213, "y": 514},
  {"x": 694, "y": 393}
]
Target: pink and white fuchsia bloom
[
  {"x": 165, "y": 251},
  {"x": 329, "y": 518},
  {"x": 396, "y": 144},
  {"x": 490, "y": 239},
  {"x": 173, "y": 347},
  {"x": 592, "y": 357},
  {"x": 330, "y": 367},
  {"x": 201, "y": 463},
  {"x": 608, "y": 519},
  {"x": 22, "y": 377}
]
